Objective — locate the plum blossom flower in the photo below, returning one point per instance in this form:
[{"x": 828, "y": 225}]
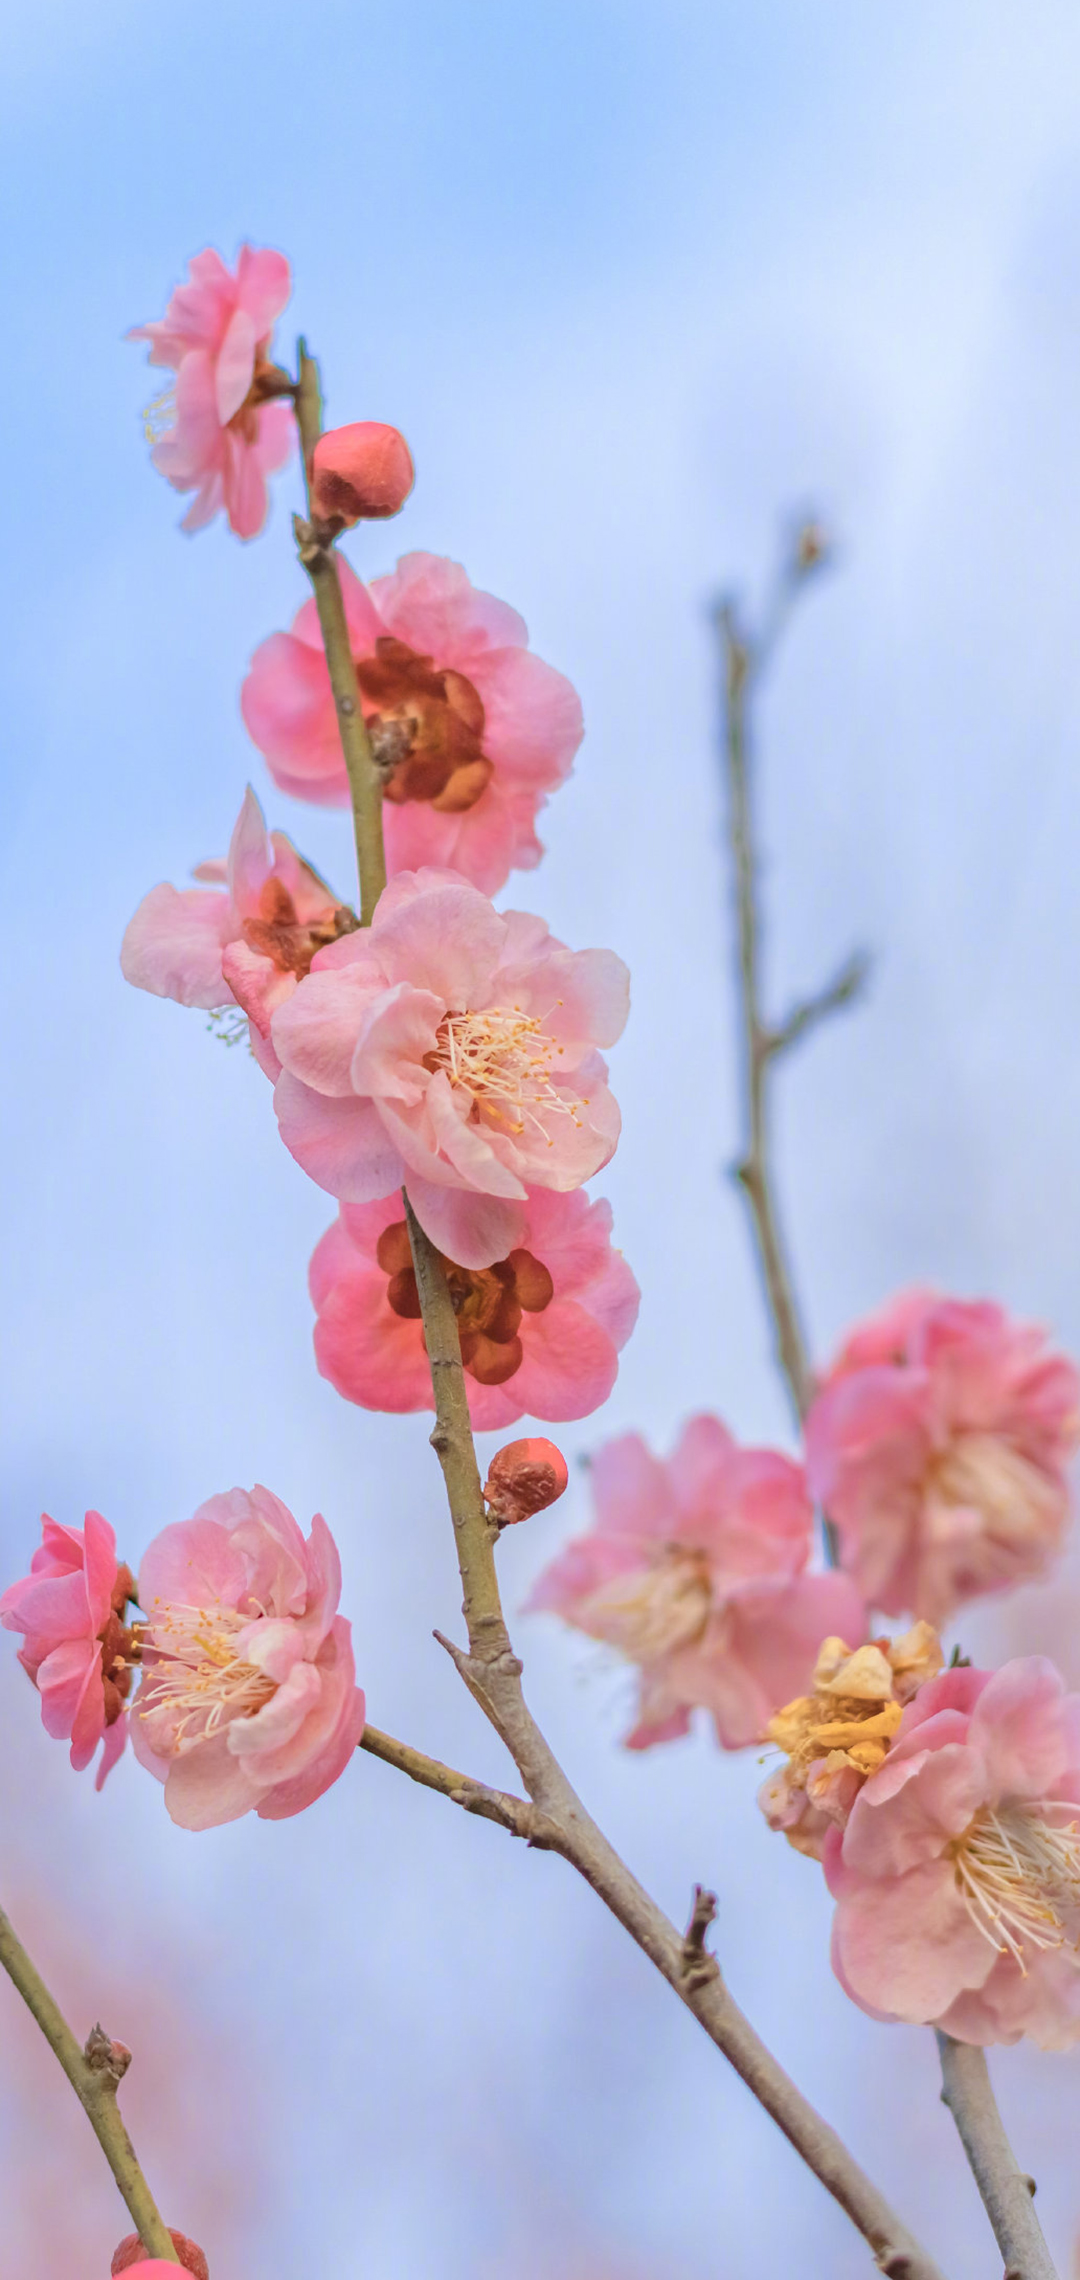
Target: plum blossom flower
[
  {"x": 219, "y": 432},
  {"x": 540, "y": 1329},
  {"x": 695, "y": 1572},
  {"x": 938, "y": 1444},
  {"x": 248, "y": 941},
  {"x": 838, "y": 1735},
  {"x": 451, "y": 1047},
  {"x": 248, "y": 1699},
  {"x": 76, "y": 1646},
  {"x": 471, "y": 729},
  {"x": 957, "y": 1875}
]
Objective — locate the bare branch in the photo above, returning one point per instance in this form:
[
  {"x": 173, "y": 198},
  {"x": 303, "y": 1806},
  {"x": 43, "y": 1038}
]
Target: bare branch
[
  {"x": 1005, "y": 2190},
  {"x": 842, "y": 991},
  {"x": 94, "y": 2074},
  {"x": 317, "y": 554},
  {"x": 512, "y": 1813}
]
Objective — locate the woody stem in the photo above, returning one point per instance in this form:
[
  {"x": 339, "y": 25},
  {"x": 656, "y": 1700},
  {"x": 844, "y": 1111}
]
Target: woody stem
[
  {"x": 492, "y": 1672},
  {"x": 316, "y": 551},
  {"x": 93, "y": 2074},
  {"x": 1005, "y": 2191}
]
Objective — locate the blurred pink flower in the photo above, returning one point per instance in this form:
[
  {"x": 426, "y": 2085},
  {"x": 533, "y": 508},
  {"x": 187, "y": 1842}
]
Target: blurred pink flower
[
  {"x": 451, "y": 1046},
  {"x": 77, "y": 1649},
  {"x": 248, "y": 1698},
  {"x": 938, "y": 1444},
  {"x": 540, "y": 1329},
  {"x": 957, "y": 1877},
  {"x": 248, "y": 941},
  {"x": 219, "y": 432},
  {"x": 694, "y": 1571},
  {"x": 472, "y": 729}
]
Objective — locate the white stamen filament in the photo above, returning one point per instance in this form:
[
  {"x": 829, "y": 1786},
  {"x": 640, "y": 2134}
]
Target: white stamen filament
[
  {"x": 159, "y": 417},
  {"x": 1019, "y": 1878},
  {"x": 204, "y": 1682},
  {"x": 504, "y": 1059}
]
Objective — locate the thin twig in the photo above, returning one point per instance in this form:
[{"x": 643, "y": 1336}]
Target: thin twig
[
  {"x": 512, "y": 1813},
  {"x": 94, "y": 2074},
  {"x": 492, "y": 1673},
  {"x": 763, "y": 1043},
  {"x": 1005, "y": 2189},
  {"x": 316, "y": 551}
]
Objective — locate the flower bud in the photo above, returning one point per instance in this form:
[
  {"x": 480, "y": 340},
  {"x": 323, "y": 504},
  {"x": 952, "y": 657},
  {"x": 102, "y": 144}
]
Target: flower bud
[
  {"x": 524, "y": 1477},
  {"x": 360, "y": 473},
  {"x": 131, "y": 2251}
]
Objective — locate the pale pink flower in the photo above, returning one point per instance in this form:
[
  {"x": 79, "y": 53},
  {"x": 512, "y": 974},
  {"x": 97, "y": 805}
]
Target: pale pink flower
[
  {"x": 219, "y": 432},
  {"x": 695, "y": 1572},
  {"x": 957, "y": 1877},
  {"x": 249, "y": 1698},
  {"x": 451, "y": 1047},
  {"x": 938, "y": 1445},
  {"x": 76, "y": 1646},
  {"x": 540, "y": 1329},
  {"x": 249, "y": 939},
  {"x": 471, "y": 728}
]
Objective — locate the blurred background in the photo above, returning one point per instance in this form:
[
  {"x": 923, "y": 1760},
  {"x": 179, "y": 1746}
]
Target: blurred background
[{"x": 636, "y": 281}]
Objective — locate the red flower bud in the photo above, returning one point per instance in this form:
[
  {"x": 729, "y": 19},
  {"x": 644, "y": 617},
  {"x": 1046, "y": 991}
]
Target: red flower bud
[
  {"x": 131, "y": 2251},
  {"x": 360, "y": 472},
  {"x": 524, "y": 1477}
]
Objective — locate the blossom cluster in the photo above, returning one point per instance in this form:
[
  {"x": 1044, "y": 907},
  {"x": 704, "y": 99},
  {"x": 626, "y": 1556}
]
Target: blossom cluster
[{"x": 444, "y": 1065}]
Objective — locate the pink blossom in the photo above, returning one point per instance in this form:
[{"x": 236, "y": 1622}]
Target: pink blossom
[
  {"x": 957, "y": 1877},
  {"x": 248, "y": 1698},
  {"x": 938, "y": 1444},
  {"x": 77, "y": 1649},
  {"x": 695, "y": 1572},
  {"x": 451, "y": 1047},
  {"x": 219, "y": 432},
  {"x": 540, "y": 1329},
  {"x": 249, "y": 940},
  {"x": 472, "y": 729}
]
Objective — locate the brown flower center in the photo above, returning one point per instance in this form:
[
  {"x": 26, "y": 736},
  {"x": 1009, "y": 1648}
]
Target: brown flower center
[
  {"x": 120, "y": 1649},
  {"x": 286, "y": 939},
  {"x": 426, "y": 727},
  {"x": 267, "y": 381},
  {"x": 488, "y": 1301}
]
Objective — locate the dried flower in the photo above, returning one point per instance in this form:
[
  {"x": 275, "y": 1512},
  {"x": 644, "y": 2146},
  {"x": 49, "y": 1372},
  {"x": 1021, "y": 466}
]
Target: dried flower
[{"x": 838, "y": 1735}]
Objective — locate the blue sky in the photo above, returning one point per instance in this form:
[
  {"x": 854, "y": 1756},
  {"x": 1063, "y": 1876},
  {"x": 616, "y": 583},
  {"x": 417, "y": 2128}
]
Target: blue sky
[{"x": 634, "y": 281}]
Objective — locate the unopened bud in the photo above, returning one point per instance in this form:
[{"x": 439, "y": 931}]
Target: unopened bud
[
  {"x": 360, "y": 473},
  {"x": 522, "y": 1478},
  {"x": 131, "y": 2251},
  {"x": 812, "y": 548}
]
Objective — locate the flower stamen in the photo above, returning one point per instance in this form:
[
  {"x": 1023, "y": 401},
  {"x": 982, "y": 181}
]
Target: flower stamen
[
  {"x": 505, "y": 1059},
  {"x": 1019, "y": 1878}
]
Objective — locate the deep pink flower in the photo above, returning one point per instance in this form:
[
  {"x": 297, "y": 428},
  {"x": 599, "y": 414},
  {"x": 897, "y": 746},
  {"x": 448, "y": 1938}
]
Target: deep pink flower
[
  {"x": 249, "y": 940},
  {"x": 223, "y": 433},
  {"x": 249, "y": 1697},
  {"x": 957, "y": 1876},
  {"x": 540, "y": 1330},
  {"x": 694, "y": 1571},
  {"x": 451, "y": 1047},
  {"x": 472, "y": 729},
  {"x": 76, "y": 1647},
  {"x": 938, "y": 1444},
  {"x": 363, "y": 471}
]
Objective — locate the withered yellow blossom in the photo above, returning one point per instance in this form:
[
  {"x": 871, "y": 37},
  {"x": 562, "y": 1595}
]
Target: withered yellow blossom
[{"x": 834, "y": 1738}]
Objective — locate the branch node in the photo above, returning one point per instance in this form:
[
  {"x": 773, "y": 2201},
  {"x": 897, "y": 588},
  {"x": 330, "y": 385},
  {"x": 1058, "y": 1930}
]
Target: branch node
[
  {"x": 107, "y": 2059},
  {"x": 696, "y": 1966}
]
